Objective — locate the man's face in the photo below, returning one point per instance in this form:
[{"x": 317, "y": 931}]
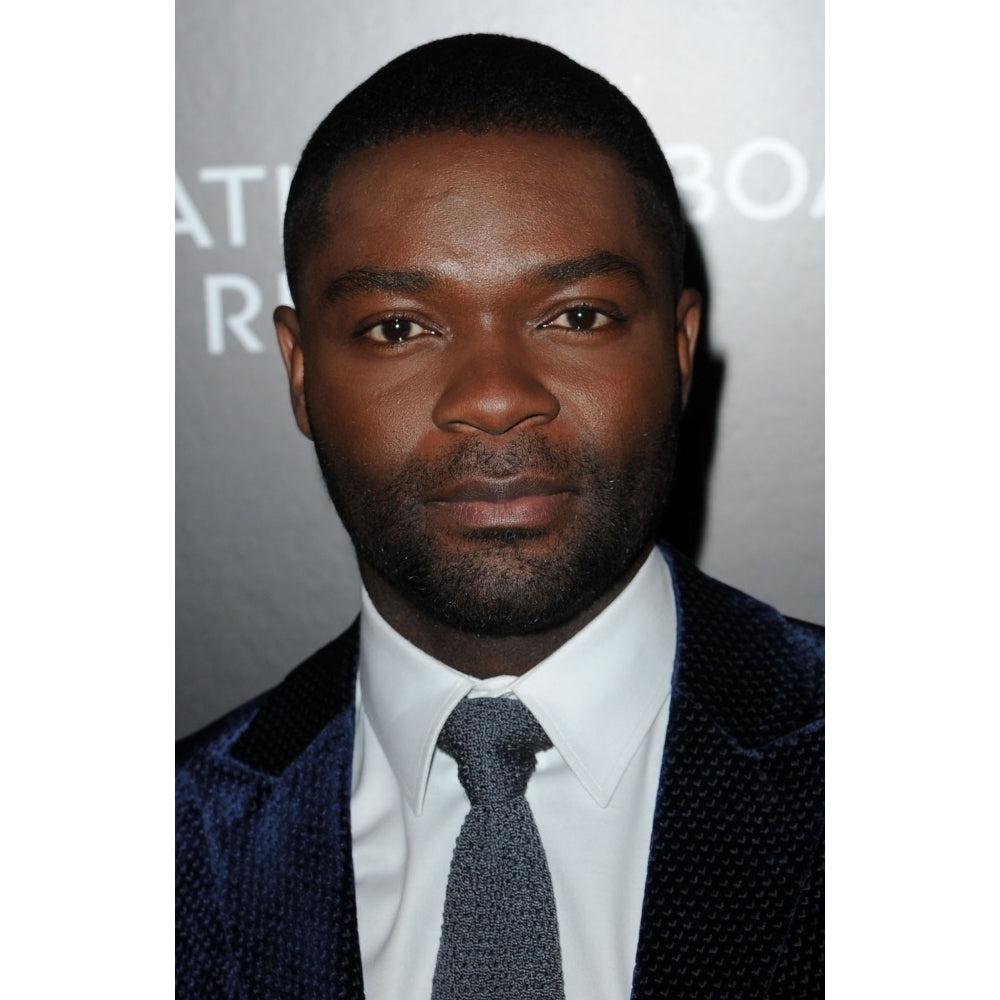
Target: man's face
[{"x": 490, "y": 364}]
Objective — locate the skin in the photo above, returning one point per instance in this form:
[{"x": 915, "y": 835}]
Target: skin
[{"x": 489, "y": 361}]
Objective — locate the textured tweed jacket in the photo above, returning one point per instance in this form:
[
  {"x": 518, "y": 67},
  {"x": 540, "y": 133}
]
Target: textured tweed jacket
[{"x": 733, "y": 899}]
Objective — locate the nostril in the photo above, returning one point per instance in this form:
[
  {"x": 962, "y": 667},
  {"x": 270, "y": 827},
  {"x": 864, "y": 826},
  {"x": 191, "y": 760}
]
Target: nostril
[{"x": 494, "y": 400}]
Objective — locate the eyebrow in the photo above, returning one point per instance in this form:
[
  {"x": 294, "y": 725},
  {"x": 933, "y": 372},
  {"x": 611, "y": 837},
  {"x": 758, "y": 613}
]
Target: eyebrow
[
  {"x": 561, "y": 272},
  {"x": 589, "y": 265},
  {"x": 376, "y": 279}
]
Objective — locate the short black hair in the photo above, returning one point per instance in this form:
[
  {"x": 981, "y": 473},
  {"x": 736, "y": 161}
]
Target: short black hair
[{"x": 480, "y": 84}]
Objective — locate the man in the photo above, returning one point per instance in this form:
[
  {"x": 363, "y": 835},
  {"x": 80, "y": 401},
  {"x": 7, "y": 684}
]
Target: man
[{"x": 490, "y": 350}]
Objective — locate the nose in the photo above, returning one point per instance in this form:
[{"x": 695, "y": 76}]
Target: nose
[{"x": 493, "y": 388}]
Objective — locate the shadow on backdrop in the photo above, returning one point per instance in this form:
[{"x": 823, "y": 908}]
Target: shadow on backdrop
[{"x": 683, "y": 524}]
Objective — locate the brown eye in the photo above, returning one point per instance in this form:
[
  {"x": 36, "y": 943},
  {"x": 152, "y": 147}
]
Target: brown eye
[
  {"x": 395, "y": 330},
  {"x": 582, "y": 318}
]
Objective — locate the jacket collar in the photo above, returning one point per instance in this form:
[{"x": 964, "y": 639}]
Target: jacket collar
[{"x": 294, "y": 713}]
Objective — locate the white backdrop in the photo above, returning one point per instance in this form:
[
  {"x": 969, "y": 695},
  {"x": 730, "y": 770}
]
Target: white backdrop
[{"x": 733, "y": 91}]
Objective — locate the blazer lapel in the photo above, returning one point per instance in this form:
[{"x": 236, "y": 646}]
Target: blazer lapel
[
  {"x": 283, "y": 835},
  {"x": 738, "y": 822}
]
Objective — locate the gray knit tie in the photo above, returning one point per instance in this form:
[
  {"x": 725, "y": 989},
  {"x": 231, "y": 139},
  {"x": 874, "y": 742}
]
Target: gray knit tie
[{"x": 499, "y": 936}]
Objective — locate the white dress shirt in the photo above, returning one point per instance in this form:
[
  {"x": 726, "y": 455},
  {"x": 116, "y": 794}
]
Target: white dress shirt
[{"x": 603, "y": 700}]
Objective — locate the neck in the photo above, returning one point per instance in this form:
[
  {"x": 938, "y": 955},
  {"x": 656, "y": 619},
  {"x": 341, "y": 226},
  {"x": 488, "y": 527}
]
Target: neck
[{"x": 482, "y": 656}]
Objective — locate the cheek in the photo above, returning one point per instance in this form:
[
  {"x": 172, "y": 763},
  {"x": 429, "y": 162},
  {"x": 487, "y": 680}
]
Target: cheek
[
  {"x": 370, "y": 428},
  {"x": 619, "y": 406}
]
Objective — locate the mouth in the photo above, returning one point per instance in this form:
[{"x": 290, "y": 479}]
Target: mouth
[
  {"x": 499, "y": 491},
  {"x": 526, "y": 501}
]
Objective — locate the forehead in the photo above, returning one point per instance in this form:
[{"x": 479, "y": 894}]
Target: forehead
[{"x": 499, "y": 201}]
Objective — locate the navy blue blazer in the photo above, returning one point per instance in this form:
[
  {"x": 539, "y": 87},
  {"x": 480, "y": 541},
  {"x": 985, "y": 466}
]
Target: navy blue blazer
[{"x": 733, "y": 899}]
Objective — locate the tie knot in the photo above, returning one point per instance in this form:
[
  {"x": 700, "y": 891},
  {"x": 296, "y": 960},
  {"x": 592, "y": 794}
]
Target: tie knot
[{"x": 494, "y": 741}]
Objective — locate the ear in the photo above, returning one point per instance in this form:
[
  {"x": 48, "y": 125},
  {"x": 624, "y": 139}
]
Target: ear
[
  {"x": 286, "y": 325},
  {"x": 688, "y": 321}
]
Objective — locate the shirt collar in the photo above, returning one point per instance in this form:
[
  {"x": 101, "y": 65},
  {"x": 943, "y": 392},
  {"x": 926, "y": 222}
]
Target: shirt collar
[{"x": 596, "y": 696}]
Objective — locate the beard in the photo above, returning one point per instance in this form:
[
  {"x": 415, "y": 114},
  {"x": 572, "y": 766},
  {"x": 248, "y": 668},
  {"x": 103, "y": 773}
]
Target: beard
[{"x": 502, "y": 581}]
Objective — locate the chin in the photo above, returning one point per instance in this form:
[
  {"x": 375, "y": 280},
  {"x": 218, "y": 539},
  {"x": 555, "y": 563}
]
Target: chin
[{"x": 511, "y": 582}]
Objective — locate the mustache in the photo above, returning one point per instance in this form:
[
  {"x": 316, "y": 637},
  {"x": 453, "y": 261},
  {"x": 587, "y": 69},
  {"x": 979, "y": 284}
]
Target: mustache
[
  {"x": 468, "y": 459},
  {"x": 475, "y": 459}
]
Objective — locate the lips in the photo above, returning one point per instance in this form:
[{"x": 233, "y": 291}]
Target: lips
[
  {"x": 498, "y": 490},
  {"x": 525, "y": 501}
]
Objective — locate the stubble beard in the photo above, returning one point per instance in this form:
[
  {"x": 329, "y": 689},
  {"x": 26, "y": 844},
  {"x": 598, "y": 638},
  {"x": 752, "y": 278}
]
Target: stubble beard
[{"x": 503, "y": 584}]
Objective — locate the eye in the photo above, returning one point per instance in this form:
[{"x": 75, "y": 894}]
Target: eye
[
  {"x": 583, "y": 318},
  {"x": 395, "y": 330}
]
